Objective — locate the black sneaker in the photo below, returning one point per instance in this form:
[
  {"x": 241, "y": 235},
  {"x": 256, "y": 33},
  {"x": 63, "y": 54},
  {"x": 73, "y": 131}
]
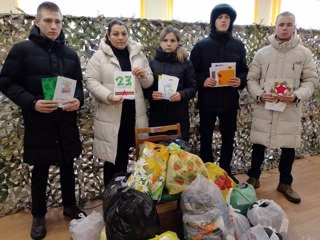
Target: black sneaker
[
  {"x": 73, "y": 212},
  {"x": 38, "y": 228}
]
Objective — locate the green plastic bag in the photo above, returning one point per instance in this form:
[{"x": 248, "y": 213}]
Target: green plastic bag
[{"x": 242, "y": 197}]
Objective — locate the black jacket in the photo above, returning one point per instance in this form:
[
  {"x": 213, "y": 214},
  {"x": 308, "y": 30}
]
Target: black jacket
[
  {"x": 219, "y": 47},
  {"x": 49, "y": 138},
  {"x": 164, "y": 112}
]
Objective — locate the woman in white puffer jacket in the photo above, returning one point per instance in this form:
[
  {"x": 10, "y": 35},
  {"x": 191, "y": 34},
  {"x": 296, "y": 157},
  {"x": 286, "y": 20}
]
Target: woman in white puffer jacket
[{"x": 114, "y": 117}]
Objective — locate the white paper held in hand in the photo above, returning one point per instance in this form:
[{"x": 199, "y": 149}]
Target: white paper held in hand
[
  {"x": 222, "y": 72},
  {"x": 65, "y": 89},
  {"x": 124, "y": 85},
  {"x": 167, "y": 85}
]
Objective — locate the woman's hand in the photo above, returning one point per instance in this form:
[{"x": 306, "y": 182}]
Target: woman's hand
[
  {"x": 176, "y": 97},
  {"x": 139, "y": 72},
  {"x": 115, "y": 99},
  {"x": 157, "y": 95}
]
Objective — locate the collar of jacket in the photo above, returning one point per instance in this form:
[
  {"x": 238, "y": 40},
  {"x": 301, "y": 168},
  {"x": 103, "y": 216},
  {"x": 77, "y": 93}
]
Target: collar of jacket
[
  {"x": 163, "y": 56},
  {"x": 283, "y": 46},
  {"x": 45, "y": 42},
  {"x": 220, "y": 36}
]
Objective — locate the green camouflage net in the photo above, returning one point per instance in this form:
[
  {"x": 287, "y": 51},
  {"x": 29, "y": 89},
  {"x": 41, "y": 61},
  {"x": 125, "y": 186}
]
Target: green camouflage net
[{"x": 84, "y": 34}]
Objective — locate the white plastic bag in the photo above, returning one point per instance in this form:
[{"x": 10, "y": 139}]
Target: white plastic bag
[
  {"x": 260, "y": 233},
  {"x": 88, "y": 227},
  {"x": 268, "y": 213}
]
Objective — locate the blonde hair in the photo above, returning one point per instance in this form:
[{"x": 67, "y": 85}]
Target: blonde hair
[
  {"x": 182, "y": 53},
  {"x": 286, "y": 14}
]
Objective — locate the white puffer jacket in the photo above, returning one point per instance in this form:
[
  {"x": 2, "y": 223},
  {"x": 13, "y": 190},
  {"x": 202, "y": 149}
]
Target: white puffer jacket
[
  {"x": 99, "y": 77},
  {"x": 291, "y": 62}
]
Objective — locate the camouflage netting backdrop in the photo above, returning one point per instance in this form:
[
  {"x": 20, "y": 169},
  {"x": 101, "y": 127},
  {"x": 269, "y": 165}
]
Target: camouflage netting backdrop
[{"x": 84, "y": 34}]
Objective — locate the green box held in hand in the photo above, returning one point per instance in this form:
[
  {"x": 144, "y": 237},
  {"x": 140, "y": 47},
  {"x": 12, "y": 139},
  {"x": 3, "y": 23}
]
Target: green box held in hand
[{"x": 48, "y": 87}]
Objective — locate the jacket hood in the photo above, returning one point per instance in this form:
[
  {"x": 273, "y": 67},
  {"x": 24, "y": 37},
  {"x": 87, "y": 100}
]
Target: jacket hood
[
  {"x": 133, "y": 47},
  {"x": 284, "y": 46},
  {"x": 222, "y": 9},
  {"x": 36, "y": 36}
]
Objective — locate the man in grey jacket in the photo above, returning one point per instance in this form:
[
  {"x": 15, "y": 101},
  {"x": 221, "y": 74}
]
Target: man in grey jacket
[{"x": 281, "y": 75}]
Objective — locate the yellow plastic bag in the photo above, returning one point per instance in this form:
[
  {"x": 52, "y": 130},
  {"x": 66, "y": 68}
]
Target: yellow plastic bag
[
  {"x": 182, "y": 169},
  {"x": 220, "y": 177},
  {"x": 149, "y": 172},
  {"x": 103, "y": 235},
  {"x": 168, "y": 235}
]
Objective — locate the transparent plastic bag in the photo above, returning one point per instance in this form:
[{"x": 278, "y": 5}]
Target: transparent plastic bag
[
  {"x": 88, "y": 227},
  {"x": 260, "y": 233},
  {"x": 268, "y": 213},
  {"x": 241, "y": 224},
  {"x": 205, "y": 212}
]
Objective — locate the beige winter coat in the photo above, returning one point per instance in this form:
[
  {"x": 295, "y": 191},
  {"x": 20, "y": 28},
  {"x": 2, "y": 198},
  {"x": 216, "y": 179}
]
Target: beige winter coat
[
  {"x": 99, "y": 76},
  {"x": 289, "y": 61}
]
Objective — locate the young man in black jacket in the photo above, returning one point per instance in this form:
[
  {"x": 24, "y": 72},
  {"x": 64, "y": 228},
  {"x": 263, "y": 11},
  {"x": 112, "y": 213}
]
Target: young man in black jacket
[
  {"x": 51, "y": 133},
  {"x": 219, "y": 102}
]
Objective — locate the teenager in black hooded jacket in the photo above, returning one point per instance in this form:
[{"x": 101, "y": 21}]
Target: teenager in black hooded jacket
[
  {"x": 171, "y": 59},
  {"x": 219, "y": 102},
  {"x": 51, "y": 135}
]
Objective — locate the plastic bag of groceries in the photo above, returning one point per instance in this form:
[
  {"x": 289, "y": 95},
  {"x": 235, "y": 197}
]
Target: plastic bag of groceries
[
  {"x": 205, "y": 213},
  {"x": 268, "y": 213},
  {"x": 131, "y": 215},
  {"x": 88, "y": 227},
  {"x": 242, "y": 197},
  {"x": 261, "y": 233}
]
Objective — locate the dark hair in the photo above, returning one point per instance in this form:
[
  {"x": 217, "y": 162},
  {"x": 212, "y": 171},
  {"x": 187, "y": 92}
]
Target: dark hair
[
  {"x": 111, "y": 24},
  {"x": 182, "y": 54},
  {"x": 48, "y": 6}
]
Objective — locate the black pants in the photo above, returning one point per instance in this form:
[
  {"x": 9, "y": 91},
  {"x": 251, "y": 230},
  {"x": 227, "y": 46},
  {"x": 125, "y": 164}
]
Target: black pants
[
  {"x": 39, "y": 181},
  {"x": 228, "y": 126},
  {"x": 125, "y": 141},
  {"x": 285, "y": 165}
]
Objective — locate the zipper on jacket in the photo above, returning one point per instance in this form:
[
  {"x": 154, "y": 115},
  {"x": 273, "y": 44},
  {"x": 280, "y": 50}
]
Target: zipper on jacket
[{"x": 265, "y": 75}]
